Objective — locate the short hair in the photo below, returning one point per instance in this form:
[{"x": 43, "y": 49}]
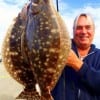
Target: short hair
[{"x": 85, "y": 15}]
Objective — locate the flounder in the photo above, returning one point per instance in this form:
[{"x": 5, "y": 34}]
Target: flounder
[
  {"x": 35, "y": 49},
  {"x": 12, "y": 56}
]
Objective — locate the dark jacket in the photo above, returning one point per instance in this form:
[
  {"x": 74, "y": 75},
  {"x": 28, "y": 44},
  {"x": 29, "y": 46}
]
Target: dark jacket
[{"x": 81, "y": 85}]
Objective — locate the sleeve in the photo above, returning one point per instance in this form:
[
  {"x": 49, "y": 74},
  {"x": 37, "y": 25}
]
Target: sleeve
[{"x": 90, "y": 76}]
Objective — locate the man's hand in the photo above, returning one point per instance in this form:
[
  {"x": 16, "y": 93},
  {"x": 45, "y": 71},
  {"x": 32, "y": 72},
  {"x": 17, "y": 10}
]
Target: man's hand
[{"x": 74, "y": 61}]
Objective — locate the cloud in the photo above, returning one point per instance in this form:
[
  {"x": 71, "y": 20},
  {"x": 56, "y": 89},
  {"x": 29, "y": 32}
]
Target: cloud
[
  {"x": 18, "y": 3},
  {"x": 10, "y": 2}
]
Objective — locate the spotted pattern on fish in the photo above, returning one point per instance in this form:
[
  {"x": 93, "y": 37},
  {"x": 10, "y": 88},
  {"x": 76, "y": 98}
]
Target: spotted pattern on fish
[
  {"x": 47, "y": 45},
  {"x": 13, "y": 60},
  {"x": 35, "y": 50}
]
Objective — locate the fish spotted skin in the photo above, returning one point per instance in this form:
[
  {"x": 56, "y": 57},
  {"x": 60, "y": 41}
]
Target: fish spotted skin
[
  {"x": 35, "y": 50},
  {"x": 13, "y": 59},
  {"x": 47, "y": 44}
]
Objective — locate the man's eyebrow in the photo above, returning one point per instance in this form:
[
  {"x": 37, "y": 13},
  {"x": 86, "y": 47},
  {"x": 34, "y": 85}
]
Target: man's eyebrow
[
  {"x": 83, "y": 25},
  {"x": 86, "y": 26}
]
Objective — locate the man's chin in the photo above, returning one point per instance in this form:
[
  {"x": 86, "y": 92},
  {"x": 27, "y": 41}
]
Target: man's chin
[{"x": 84, "y": 45}]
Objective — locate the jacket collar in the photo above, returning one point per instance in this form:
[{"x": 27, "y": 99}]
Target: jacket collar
[{"x": 74, "y": 47}]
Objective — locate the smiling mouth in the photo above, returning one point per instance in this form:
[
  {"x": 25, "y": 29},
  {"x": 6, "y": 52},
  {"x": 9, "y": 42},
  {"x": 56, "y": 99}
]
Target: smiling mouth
[{"x": 83, "y": 37}]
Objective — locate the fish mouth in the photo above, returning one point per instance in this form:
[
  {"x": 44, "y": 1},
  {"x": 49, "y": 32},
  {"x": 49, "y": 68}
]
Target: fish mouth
[
  {"x": 34, "y": 7},
  {"x": 35, "y": 1}
]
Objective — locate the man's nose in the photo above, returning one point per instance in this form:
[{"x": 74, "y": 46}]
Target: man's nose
[{"x": 84, "y": 30}]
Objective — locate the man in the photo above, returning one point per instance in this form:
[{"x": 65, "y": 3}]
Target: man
[{"x": 80, "y": 80}]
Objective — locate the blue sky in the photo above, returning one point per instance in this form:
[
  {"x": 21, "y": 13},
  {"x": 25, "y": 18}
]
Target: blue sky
[
  {"x": 68, "y": 9},
  {"x": 82, "y": 3}
]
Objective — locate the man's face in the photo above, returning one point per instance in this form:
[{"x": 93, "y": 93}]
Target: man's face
[{"x": 84, "y": 32}]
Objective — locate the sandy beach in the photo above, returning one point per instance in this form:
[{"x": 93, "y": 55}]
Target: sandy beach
[{"x": 9, "y": 88}]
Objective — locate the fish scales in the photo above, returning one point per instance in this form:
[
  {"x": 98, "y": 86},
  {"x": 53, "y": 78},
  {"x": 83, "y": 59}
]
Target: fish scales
[{"x": 38, "y": 51}]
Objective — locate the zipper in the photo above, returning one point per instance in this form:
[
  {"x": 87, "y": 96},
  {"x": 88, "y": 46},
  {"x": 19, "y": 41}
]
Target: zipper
[
  {"x": 64, "y": 98},
  {"x": 79, "y": 92},
  {"x": 83, "y": 57},
  {"x": 89, "y": 53}
]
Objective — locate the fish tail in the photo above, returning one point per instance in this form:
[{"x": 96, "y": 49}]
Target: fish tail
[{"x": 28, "y": 95}]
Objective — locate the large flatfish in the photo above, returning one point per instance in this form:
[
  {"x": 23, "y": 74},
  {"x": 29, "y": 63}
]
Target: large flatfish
[
  {"x": 46, "y": 44},
  {"x": 35, "y": 50}
]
